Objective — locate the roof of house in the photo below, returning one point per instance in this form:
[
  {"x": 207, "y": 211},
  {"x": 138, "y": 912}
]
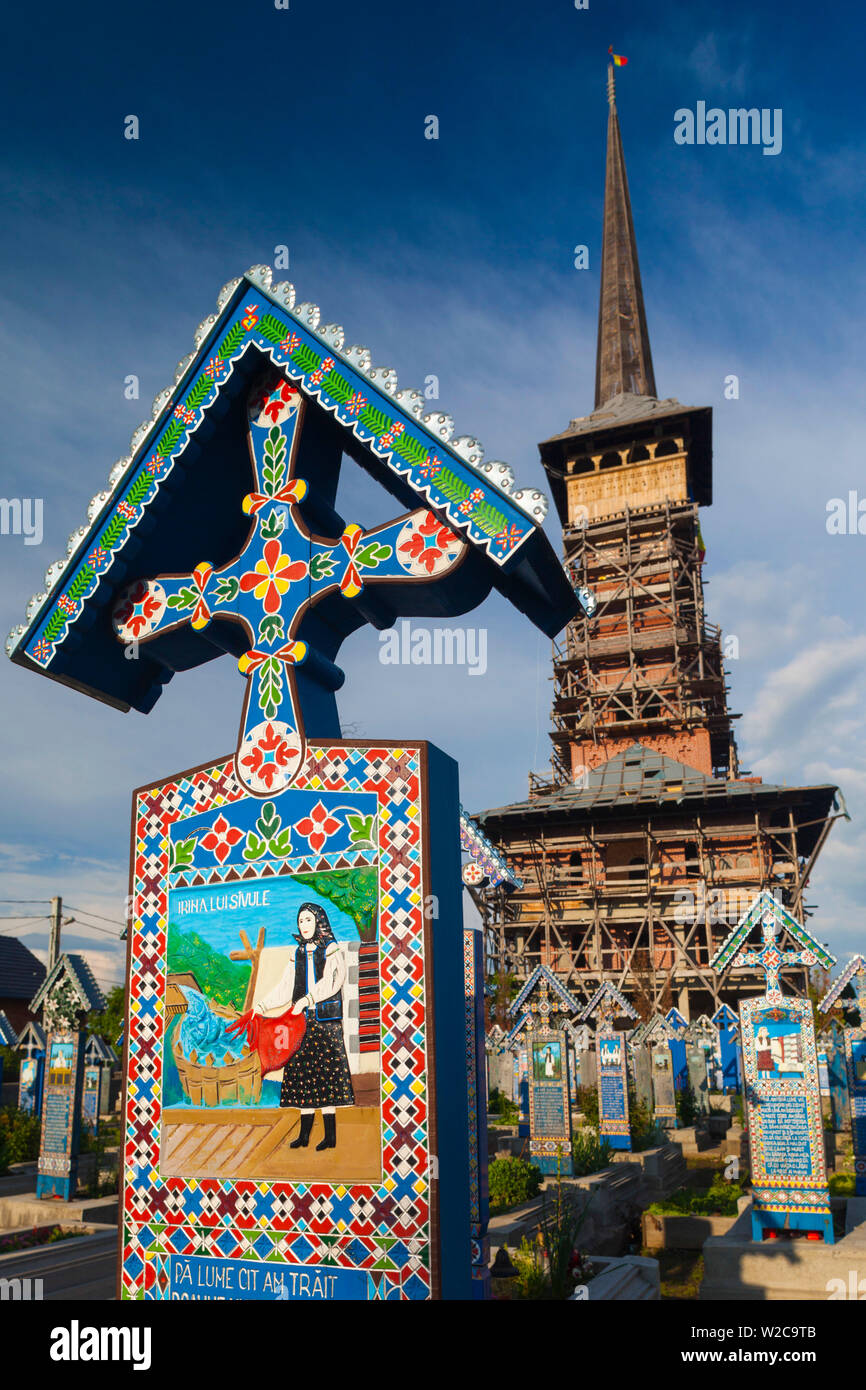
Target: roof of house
[{"x": 21, "y": 973}]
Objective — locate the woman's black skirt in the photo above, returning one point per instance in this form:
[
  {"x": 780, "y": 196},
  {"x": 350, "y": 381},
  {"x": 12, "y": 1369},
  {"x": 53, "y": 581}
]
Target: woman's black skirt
[{"x": 318, "y": 1074}]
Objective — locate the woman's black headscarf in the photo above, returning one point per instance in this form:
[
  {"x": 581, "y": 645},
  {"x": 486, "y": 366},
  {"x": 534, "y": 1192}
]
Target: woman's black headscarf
[{"x": 323, "y": 933}]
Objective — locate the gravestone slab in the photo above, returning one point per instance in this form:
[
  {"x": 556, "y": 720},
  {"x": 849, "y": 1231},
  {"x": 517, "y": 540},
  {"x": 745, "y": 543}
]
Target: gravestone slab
[
  {"x": 664, "y": 1091},
  {"x": 642, "y": 1073}
]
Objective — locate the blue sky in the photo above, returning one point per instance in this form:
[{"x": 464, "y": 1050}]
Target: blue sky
[{"x": 305, "y": 127}]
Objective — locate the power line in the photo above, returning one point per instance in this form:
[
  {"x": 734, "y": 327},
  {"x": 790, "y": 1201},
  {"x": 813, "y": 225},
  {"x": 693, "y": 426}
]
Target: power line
[
  {"x": 88, "y": 913},
  {"x": 92, "y": 927},
  {"x": 26, "y": 917},
  {"x": 30, "y": 901}
]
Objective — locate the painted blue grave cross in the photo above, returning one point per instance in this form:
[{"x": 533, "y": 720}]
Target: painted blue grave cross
[
  {"x": 770, "y": 958},
  {"x": 270, "y": 588}
]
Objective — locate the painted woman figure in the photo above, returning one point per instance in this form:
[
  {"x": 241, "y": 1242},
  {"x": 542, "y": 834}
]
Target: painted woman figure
[{"x": 317, "y": 1077}]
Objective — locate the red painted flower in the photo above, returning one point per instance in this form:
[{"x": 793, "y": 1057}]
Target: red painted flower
[
  {"x": 272, "y": 576},
  {"x": 269, "y": 757},
  {"x": 509, "y": 536},
  {"x": 429, "y": 542},
  {"x": 137, "y": 608},
  {"x": 274, "y": 401},
  {"x": 317, "y": 827},
  {"x": 221, "y": 838}
]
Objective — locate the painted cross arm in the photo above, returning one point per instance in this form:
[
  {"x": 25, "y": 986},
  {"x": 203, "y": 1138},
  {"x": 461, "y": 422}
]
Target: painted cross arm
[{"x": 270, "y": 588}]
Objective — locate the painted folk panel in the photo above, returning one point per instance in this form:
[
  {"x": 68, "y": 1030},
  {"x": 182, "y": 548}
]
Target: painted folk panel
[
  {"x": 57, "y": 1169},
  {"x": 786, "y": 1129},
  {"x": 613, "y": 1089},
  {"x": 30, "y": 1085},
  {"x": 855, "y": 1061},
  {"x": 549, "y": 1109},
  {"x": 290, "y": 1023}
]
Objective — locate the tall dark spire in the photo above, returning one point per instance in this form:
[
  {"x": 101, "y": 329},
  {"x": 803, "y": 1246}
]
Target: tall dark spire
[{"x": 623, "y": 361}]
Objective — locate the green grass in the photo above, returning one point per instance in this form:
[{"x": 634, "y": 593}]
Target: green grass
[{"x": 681, "y": 1272}]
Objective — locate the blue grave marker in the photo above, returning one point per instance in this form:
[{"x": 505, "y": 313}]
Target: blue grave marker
[
  {"x": 541, "y": 1009},
  {"x": 780, "y": 1062},
  {"x": 66, "y": 996},
  {"x": 678, "y": 1025},
  {"x": 729, "y": 1053},
  {"x": 31, "y": 1045},
  {"x": 854, "y": 1052},
  {"x": 605, "y": 1006}
]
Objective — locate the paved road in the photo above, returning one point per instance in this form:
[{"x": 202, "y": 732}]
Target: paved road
[{"x": 84, "y": 1268}]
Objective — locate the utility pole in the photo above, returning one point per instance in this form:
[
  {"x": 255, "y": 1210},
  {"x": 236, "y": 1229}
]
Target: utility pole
[{"x": 54, "y": 938}]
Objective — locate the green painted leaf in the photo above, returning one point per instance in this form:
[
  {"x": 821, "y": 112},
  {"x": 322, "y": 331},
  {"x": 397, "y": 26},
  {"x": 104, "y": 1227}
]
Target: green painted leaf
[
  {"x": 182, "y": 852},
  {"x": 337, "y": 387},
  {"x": 369, "y": 556},
  {"x": 139, "y": 489},
  {"x": 269, "y": 821},
  {"x": 452, "y": 487},
  {"x": 183, "y": 600},
  {"x": 488, "y": 519},
  {"x": 306, "y": 359},
  {"x": 273, "y": 525},
  {"x": 280, "y": 845},
  {"x": 172, "y": 434},
  {"x": 254, "y": 847},
  {"x": 412, "y": 450},
  {"x": 375, "y": 420},
  {"x": 270, "y": 687},
  {"x": 361, "y": 829},
  {"x": 81, "y": 582},
  {"x": 271, "y": 627},
  {"x": 226, "y": 589},
  {"x": 322, "y": 565},
  {"x": 231, "y": 342}
]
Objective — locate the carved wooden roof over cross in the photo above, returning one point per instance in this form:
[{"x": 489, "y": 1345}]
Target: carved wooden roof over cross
[
  {"x": 774, "y": 920},
  {"x": 219, "y": 532},
  {"x": 607, "y": 1004},
  {"x": 854, "y": 974},
  {"x": 68, "y": 990}
]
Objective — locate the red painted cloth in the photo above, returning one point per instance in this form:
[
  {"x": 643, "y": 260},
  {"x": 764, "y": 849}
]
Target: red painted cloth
[{"x": 274, "y": 1039}]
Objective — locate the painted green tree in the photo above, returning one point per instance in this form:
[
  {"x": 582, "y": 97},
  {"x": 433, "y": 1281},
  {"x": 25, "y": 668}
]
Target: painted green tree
[
  {"x": 353, "y": 891},
  {"x": 222, "y": 980}
]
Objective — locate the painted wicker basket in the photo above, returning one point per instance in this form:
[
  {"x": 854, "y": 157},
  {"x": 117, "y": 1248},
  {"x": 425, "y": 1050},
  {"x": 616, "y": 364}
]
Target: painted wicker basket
[{"x": 205, "y": 1083}]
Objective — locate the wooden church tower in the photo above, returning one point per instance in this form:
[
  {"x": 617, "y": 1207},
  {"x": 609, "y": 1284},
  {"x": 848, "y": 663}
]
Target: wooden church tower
[{"x": 644, "y": 848}]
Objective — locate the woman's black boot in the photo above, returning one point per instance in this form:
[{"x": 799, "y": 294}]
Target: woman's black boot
[
  {"x": 330, "y": 1139},
  {"x": 303, "y": 1138}
]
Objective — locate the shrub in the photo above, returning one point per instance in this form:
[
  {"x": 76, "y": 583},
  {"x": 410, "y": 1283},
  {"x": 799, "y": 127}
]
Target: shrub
[
  {"x": 720, "y": 1199},
  {"x": 645, "y": 1133},
  {"x": 687, "y": 1108},
  {"x": 587, "y": 1103},
  {"x": 19, "y": 1136},
  {"x": 589, "y": 1153},
  {"x": 512, "y": 1181},
  {"x": 499, "y": 1107}
]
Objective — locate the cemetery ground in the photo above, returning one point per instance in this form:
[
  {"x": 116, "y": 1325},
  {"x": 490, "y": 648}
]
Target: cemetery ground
[{"x": 626, "y": 1226}]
